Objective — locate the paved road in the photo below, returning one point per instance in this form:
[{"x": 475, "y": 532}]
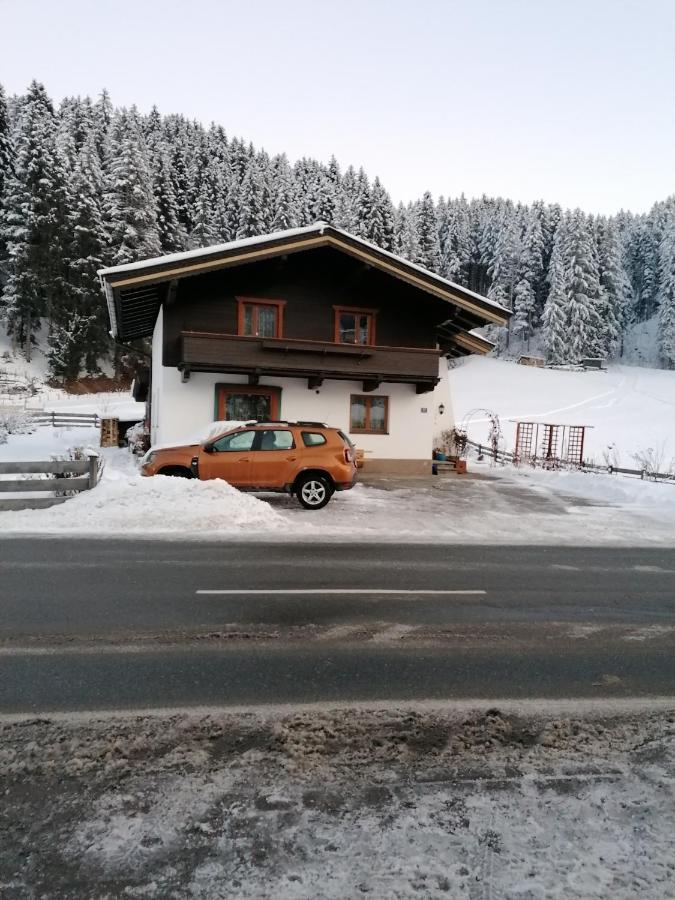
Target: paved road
[{"x": 115, "y": 624}]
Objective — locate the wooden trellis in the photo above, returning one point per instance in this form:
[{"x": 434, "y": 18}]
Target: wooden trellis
[{"x": 550, "y": 445}]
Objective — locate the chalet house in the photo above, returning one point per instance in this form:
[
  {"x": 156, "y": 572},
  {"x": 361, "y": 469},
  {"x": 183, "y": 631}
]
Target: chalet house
[{"x": 307, "y": 324}]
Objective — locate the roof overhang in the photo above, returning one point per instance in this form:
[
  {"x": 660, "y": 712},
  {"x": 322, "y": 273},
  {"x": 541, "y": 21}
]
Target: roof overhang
[{"x": 134, "y": 292}]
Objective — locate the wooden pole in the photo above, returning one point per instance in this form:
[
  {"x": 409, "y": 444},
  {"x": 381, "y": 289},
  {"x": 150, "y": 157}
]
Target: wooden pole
[{"x": 93, "y": 471}]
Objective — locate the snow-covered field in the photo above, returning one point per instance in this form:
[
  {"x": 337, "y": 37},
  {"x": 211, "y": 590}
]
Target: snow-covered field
[
  {"x": 629, "y": 408},
  {"x": 446, "y": 802}
]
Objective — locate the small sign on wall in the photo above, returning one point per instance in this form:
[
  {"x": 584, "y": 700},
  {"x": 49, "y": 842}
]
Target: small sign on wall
[{"x": 424, "y": 409}]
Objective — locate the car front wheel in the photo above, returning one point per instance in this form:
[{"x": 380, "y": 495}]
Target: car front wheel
[{"x": 313, "y": 491}]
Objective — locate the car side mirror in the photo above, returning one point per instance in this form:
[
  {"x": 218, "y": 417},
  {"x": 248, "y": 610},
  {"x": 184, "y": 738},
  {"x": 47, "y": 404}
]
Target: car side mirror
[{"x": 207, "y": 448}]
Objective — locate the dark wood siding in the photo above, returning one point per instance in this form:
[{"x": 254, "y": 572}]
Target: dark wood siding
[
  {"x": 311, "y": 283},
  {"x": 279, "y": 357}
]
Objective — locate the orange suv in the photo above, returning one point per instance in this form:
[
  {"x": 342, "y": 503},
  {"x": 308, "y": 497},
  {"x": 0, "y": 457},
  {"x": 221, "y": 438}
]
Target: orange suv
[{"x": 306, "y": 459}]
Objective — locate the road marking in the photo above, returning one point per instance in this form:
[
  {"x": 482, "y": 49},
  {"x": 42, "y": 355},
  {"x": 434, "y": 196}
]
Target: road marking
[{"x": 338, "y": 592}]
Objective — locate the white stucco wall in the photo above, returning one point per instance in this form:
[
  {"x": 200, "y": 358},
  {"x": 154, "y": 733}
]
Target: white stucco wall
[
  {"x": 156, "y": 379},
  {"x": 182, "y": 409}
]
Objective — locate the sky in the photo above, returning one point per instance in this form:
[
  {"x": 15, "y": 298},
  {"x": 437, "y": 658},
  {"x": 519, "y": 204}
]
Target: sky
[{"x": 563, "y": 100}]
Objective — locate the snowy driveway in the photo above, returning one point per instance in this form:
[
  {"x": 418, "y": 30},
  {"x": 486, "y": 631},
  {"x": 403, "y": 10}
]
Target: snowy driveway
[{"x": 495, "y": 506}]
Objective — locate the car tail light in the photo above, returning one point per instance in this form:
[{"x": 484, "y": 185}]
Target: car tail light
[{"x": 349, "y": 457}]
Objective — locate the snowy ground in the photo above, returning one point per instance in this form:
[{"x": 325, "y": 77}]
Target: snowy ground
[
  {"x": 446, "y": 802},
  {"x": 503, "y": 505},
  {"x": 629, "y": 408}
]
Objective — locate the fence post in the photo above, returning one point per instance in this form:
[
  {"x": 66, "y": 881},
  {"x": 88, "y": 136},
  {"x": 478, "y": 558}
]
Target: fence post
[{"x": 93, "y": 471}]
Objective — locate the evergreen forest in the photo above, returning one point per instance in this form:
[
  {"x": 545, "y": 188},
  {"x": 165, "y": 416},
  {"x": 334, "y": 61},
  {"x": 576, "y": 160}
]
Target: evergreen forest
[{"x": 86, "y": 185}]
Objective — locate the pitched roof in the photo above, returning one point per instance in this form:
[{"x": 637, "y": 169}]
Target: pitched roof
[{"x": 133, "y": 290}]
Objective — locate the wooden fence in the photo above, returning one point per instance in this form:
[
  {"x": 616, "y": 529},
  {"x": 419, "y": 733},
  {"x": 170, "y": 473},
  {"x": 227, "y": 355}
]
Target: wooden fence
[
  {"x": 507, "y": 457},
  {"x": 64, "y": 476},
  {"x": 66, "y": 419}
]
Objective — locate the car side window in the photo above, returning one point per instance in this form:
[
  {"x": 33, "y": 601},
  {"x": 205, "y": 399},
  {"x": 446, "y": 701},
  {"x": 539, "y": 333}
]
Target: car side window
[
  {"x": 241, "y": 440},
  {"x": 312, "y": 438},
  {"x": 271, "y": 439}
]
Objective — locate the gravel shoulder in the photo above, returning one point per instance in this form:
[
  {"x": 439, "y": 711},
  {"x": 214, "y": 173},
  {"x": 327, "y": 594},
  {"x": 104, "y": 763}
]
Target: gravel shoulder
[{"x": 450, "y": 802}]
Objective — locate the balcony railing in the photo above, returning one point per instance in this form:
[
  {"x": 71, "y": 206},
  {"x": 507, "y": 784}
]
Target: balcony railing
[{"x": 209, "y": 352}]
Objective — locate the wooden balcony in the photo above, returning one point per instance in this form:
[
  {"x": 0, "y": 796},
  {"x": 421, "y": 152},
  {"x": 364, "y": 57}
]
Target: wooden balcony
[{"x": 314, "y": 360}]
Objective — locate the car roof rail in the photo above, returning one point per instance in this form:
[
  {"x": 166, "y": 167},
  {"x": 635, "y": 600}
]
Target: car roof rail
[{"x": 316, "y": 424}]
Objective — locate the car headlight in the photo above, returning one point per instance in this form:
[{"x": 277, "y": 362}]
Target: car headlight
[{"x": 149, "y": 458}]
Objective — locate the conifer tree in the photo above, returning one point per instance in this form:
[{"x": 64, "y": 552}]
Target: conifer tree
[
  {"x": 81, "y": 307},
  {"x": 667, "y": 292},
  {"x": 554, "y": 318},
  {"x": 129, "y": 201},
  {"x": 615, "y": 287},
  {"x": 34, "y": 210},
  {"x": 283, "y": 196},
  {"x": 6, "y": 168},
  {"x": 428, "y": 244},
  {"x": 378, "y": 226},
  {"x": 251, "y": 215}
]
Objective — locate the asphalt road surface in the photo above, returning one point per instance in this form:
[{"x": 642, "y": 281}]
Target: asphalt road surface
[{"x": 121, "y": 624}]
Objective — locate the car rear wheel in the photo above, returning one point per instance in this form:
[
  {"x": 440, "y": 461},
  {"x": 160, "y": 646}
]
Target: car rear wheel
[{"x": 313, "y": 491}]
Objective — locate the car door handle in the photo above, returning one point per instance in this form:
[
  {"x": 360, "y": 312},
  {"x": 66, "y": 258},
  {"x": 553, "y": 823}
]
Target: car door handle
[
  {"x": 244, "y": 459},
  {"x": 291, "y": 458}
]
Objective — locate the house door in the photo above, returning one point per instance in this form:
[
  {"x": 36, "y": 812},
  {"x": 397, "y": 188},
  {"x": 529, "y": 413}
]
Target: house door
[{"x": 241, "y": 403}]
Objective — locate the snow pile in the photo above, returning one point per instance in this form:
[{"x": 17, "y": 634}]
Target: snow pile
[
  {"x": 44, "y": 443},
  {"x": 144, "y": 506},
  {"x": 211, "y": 430},
  {"x": 614, "y": 490}
]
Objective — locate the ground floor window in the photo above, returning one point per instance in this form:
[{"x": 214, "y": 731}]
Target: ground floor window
[
  {"x": 369, "y": 415},
  {"x": 241, "y": 403}
]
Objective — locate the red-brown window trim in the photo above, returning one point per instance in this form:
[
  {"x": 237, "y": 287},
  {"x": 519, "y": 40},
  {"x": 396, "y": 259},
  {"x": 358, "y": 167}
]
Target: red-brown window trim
[
  {"x": 356, "y": 310},
  {"x": 368, "y": 398},
  {"x": 260, "y": 301},
  {"x": 222, "y": 390}
]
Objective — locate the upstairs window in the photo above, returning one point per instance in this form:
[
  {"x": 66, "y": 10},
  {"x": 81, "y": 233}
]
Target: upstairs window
[
  {"x": 354, "y": 326},
  {"x": 260, "y": 318}
]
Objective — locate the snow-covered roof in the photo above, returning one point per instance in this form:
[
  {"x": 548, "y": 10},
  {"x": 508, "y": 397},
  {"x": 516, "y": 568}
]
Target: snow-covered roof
[{"x": 135, "y": 280}]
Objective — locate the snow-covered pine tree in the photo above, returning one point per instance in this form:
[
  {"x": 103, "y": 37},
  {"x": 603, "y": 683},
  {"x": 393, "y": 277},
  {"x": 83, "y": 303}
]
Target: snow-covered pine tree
[
  {"x": 283, "y": 195},
  {"x": 529, "y": 276},
  {"x": 102, "y": 118},
  {"x": 426, "y": 226},
  {"x": 251, "y": 212},
  {"x": 67, "y": 344},
  {"x": 378, "y": 226},
  {"x": 582, "y": 288},
  {"x": 6, "y": 167},
  {"x": 33, "y": 220},
  {"x": 346, "y": 215},
  {"x": 129, "y": 203},
  {"x": 406, "y": 240},
  {"x": 503, "y": 268},
  {"x": 615, "y": 286},
  {"x": 554, "y": 317},
  {"x": 667, "y": 289},
  {"x": 172, "y": 236},
  {"x": 81, "y": 304}
]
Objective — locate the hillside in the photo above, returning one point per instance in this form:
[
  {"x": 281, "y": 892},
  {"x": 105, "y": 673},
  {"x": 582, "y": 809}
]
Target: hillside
[{"x": 630, "y": 408}]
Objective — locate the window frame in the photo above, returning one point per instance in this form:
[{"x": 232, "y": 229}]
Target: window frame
[
  {"x": 311, "y": 444},
  {"x": 368, "y": 398},
  {"x": 255, "y": 302},
  {"x": 232, "y": 436},
  {"x": 355, "y": 311},
  {"x": 223, "y": 390},
  {"x": 257, "y": 444}
]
